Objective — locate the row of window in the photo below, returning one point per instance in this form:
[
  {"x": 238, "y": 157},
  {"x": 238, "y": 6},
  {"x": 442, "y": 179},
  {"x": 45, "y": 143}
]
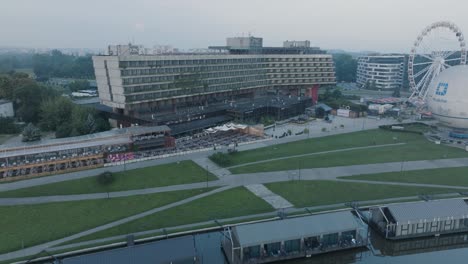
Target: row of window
[
  {"x": 175, "y": 62},
  {"x": 300, "y": 75},
  {"x": 195, "y": 90},
  {"x": 304, "y": 81},
  {"x": 171, "y": 70},
  {"x": 205, "y": 78},
  {"x": 215, "y": 83},
  {"x": 193, "y": 69},
  {"x": 220, "y": 77}
]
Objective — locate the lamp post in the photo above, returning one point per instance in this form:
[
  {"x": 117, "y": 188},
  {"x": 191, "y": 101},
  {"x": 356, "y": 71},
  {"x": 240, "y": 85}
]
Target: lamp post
[{"x": 206, "y": 176}]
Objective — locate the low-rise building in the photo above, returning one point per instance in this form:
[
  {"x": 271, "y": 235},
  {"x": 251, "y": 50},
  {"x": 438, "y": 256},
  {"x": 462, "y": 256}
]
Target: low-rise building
[{"x": 6, "y": 108}]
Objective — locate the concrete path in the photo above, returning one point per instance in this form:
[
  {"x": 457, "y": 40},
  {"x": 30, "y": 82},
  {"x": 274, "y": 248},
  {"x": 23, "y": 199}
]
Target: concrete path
[
  {"x": 268, "y": 196},
  {"x": 342, "y": 171},
  {"x": 93, "y": 196},
  {"x": 318, "y": 153},
  {"x": 212, "y": 167},
  {"x": 332, "y": 173},
  {"x": 36, "y": 249}
]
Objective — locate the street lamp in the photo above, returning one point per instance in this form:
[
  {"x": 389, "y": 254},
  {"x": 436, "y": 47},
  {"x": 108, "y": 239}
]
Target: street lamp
[{"x": 206, "y": 176}]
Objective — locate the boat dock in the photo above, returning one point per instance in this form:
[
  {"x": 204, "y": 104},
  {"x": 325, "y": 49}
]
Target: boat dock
[
  {"x": 418, "y": 219},
  {"x": 294, "y": 238}
]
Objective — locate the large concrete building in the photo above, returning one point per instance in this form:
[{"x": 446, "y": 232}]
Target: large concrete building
[
  {"x": 383, "y": 72},
  {"x": 134, "y": 84}
]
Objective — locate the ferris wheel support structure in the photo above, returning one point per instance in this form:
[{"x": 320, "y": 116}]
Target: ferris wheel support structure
[{"x": 426, "y": 62}]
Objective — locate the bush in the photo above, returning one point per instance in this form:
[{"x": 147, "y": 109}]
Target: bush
[
  {"x": 221, "y": 159},
  {"x": 105, "y": 178},
  {"x": 31, "y": 133},
  {"x": 7, "y": 126}
]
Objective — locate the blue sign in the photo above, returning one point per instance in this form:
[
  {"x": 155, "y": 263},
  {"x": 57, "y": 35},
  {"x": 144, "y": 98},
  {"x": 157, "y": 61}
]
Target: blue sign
[{"x": 442, "y": 89}]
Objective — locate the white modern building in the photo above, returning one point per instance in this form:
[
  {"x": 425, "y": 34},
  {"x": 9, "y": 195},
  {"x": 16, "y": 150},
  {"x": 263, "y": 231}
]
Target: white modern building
[
  {"x": 6, "y": 108},
  {"x": 130, "y": 83},
  {"x": 383, "y": 72}
]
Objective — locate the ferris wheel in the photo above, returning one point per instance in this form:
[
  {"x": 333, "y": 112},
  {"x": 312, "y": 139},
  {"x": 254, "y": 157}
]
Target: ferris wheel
[{"x": 439, "y": 46}]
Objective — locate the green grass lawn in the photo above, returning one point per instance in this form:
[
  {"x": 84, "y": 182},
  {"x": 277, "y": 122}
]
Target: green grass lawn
[
  {"x": 35, "y": 224},
  {"x": 313, "y": 145},
  {"x": 313, "y": 193},
  {"x": 227, "y": 204},
  {"x": 162, "y": 175},
  {"x": 445, "y": 176},
  {"x": 416, "y": 148}
]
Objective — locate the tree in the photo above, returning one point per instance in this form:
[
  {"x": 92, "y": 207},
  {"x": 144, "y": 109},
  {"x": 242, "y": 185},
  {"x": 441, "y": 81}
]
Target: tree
[
  {"x": 106, "y": 178},
  {"x": 57, "y": 64},
  {"x": 55, "y": 112},
  {"x": 367, "y": 85},
  {"x": 336, "y": 94},
  {"x": 345, "y": 67},
  {"x": 78, "y": 85},
  {"x": 328, "y": 94},
  {"x": 396, "y": 92},
  {"x": 31, "y": 133},
  {"x": 6, "y": 87},
  {"x": 7, "y": 126}
]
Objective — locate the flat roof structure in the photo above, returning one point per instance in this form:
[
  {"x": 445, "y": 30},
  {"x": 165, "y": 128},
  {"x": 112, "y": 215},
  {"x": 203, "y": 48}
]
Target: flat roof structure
[
  {"x": 111, "y": 137},
  {"x": 418, "y": 211},
  {"x": 176, "y": 250},
  {"x": 294, "y": 228},
  {"x": 325, "y": 107}
]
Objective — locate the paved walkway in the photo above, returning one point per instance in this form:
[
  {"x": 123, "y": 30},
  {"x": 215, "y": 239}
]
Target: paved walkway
[
  {"x": 332, "y": 173},
  {"x": 268, "y": 196},
  {"x": 35, "y": 249},
  {"x": 212, "y": 167}
]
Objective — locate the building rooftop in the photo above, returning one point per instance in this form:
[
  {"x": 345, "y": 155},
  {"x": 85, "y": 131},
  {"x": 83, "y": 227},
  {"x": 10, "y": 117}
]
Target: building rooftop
[
  {"x": 325, "y": 107},
  {"x": 176, "y": 250},
  {"x": 295, "y": 228},
  {"x": 111, "y": 137},
  {"x": 417, "y": 211},
  {"x": 3, "y": 101}
]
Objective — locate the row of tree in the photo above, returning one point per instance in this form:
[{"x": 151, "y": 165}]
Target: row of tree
[
  {"x": 44, "y": 107},
  {"x": 57, "y": 64},
  {"x": 67, "y": 119},
  {"x": 345, "y": 67},
  {"x": 335, "y": 99},
  {"x": 12, "y": 61},
  {"x": 49, "y": 65}
]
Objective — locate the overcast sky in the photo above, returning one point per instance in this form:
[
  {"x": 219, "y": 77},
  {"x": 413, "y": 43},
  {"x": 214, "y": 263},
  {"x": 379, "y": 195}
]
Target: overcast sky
[{"x": 355, "y": 25}]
